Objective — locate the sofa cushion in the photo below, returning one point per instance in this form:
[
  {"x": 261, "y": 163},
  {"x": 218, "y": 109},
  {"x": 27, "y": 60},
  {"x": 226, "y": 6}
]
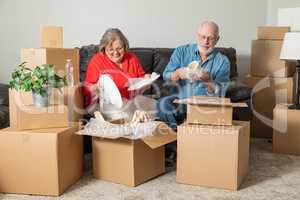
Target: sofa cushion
[
  {"x": 4, "y": 116},
  {"x": 161, "y": 59},
  {"x": 86, "y": 53},
  {"x": 3, "y": 94},
  {"x": 231, "y": 55},
  {"x": 145, "y": 56}
]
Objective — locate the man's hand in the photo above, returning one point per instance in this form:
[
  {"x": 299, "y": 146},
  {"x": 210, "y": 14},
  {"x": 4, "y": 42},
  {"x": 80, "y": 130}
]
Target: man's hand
[
  {"x": 202, "y": 75},
  {"x": 180, "y": 73}
]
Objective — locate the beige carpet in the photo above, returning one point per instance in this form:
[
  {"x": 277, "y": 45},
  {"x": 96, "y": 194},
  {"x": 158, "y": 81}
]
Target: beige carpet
[{"x": 272, "y": 176}]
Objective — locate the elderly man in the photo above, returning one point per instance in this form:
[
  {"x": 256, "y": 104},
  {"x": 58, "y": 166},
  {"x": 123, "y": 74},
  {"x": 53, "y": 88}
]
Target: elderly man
[{"x": 210, "y": 77}]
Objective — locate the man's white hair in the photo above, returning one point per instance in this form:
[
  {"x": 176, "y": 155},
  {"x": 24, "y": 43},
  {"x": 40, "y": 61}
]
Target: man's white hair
[{"x": 212, "y": 24}]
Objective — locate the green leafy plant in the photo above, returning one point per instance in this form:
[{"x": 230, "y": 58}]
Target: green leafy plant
[{"x": 37, "y": 80}]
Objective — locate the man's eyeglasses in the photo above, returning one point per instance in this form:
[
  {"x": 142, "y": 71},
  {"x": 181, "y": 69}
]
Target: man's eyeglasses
[{"x": 209, "y": 38}]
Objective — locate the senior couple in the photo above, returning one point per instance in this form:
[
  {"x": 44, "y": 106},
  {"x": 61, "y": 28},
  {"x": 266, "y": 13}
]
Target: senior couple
[{"x": 114, "y": 59}]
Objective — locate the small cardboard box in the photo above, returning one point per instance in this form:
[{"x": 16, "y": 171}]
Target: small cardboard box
[
  {"x": 65, "y": 108},
  {"x": 51, "y": 37},
  {"x": 55, "y": 56},
  {"x": 131, "y": 162},
  {"x": 213, "y": 156},
  {"x": 272, "y": 32},
  {"x": 40, "y": 162},
  {"x": 266, "y": 93},
  {"x": 209, "y": 110},
  {"x": 265, "y": 60},
  {"x": 286, "y": 135}
]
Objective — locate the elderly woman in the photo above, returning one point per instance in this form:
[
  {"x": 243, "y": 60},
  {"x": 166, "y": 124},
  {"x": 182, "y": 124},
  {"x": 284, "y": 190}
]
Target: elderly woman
[{"x": 112, "y": 59}]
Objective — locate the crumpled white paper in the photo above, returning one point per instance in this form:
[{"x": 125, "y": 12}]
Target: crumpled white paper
[{"x": 98, "y": 127}]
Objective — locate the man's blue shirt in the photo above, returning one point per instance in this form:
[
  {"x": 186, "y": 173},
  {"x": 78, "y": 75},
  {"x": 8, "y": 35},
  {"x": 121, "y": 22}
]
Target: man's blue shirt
[{"x": 217, "y": 65}]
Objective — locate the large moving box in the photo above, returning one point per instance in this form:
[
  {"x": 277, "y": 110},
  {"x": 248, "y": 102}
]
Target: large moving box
[
  {"x": 55, "y": 56},
  {"x": 266, "y": 93},
  {"x": 131, "y": 162},
  {"x": 65, "y": 108},
  {"x": 286, "y": 135},
  {"x": 42, "y": 162},
  {"x": 213, "y": 156},
  {"x": 265, "y": 60}
]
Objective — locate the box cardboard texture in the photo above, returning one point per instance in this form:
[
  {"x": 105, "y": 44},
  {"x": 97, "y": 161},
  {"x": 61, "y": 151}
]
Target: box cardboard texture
[
  {"x": 265, "y": 60},
  {"x": 40, "y": 162},
  {"x": 131, "y": 162},
  {"x": 213, "y": 156},
  {"x": 51, "y": 37},
  {"x": 266, "y": 94},
  {"x": 287, "y": 139},
  {"x": 55, "y": 56},
  {"x": 272, "y": 32},
  {"x": 209, "y": 110},
  {"x": 65, "y": 109}
]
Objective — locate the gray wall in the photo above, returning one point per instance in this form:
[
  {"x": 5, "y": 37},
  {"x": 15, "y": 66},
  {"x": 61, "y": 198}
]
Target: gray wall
[
  {"x": 274, "y": 5},
  {"x": 155, "y": 23}
]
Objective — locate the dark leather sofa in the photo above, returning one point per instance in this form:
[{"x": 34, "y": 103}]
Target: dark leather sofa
[
  {"x": 4, "y": 112},
  {"x": 156, "y": 59}
]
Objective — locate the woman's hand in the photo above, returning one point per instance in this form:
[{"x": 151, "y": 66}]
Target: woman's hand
[{"x": 147, "y": 76}]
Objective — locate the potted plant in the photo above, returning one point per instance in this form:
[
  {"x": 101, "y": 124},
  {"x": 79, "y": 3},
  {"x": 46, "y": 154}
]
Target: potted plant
[{"x": 39, "y": 81}]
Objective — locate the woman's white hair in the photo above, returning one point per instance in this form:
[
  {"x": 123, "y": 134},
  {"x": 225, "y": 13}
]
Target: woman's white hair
[{"x": 110, "y": 36}]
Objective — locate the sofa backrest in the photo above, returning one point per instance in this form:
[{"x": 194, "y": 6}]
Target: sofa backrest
[{"x": 152, "y": 59}]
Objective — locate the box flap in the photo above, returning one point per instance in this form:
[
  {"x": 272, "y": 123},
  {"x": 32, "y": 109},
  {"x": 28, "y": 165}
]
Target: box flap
[
  {"x": 206, "y": 101},
  {"x": 209, "y": 101},
  {"x": 162, "y": 135}
]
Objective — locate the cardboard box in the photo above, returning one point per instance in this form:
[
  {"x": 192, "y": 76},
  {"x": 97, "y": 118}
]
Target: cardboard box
[
  {"x": 286, "y": 135},
  {"x": 66, "y": 106},
  {"x": 213, "y": 156},
  {"x": 55, "y": 56},
  {"x": 131, "y": 162},
  {"x": 51, "y": 37},
  {"x": 41, "y": 162},
  {"x": 65, "y": 109},
  {"x": 209, "y": 110},
  {"x": 272, "y": 32},
  {"x": 266, "y": 93},
  {"x": 265, "y": 60}
]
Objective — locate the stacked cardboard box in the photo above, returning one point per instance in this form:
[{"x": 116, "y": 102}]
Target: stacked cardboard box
[
  {"x": 212, "y": 149},
  {"x": 270, "y": 78},
  {"x": 40, "y": 152}
]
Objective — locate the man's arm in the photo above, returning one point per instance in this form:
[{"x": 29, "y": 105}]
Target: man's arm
[
  {"x": 174, "y": 71},
  {"x": 220, "y": 82}
]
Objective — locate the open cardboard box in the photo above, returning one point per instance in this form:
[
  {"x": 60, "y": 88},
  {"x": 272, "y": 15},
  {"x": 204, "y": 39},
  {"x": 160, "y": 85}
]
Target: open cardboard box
[
  {"x": 131, "y": 162},
  {"x": 209, "y": 110}
]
